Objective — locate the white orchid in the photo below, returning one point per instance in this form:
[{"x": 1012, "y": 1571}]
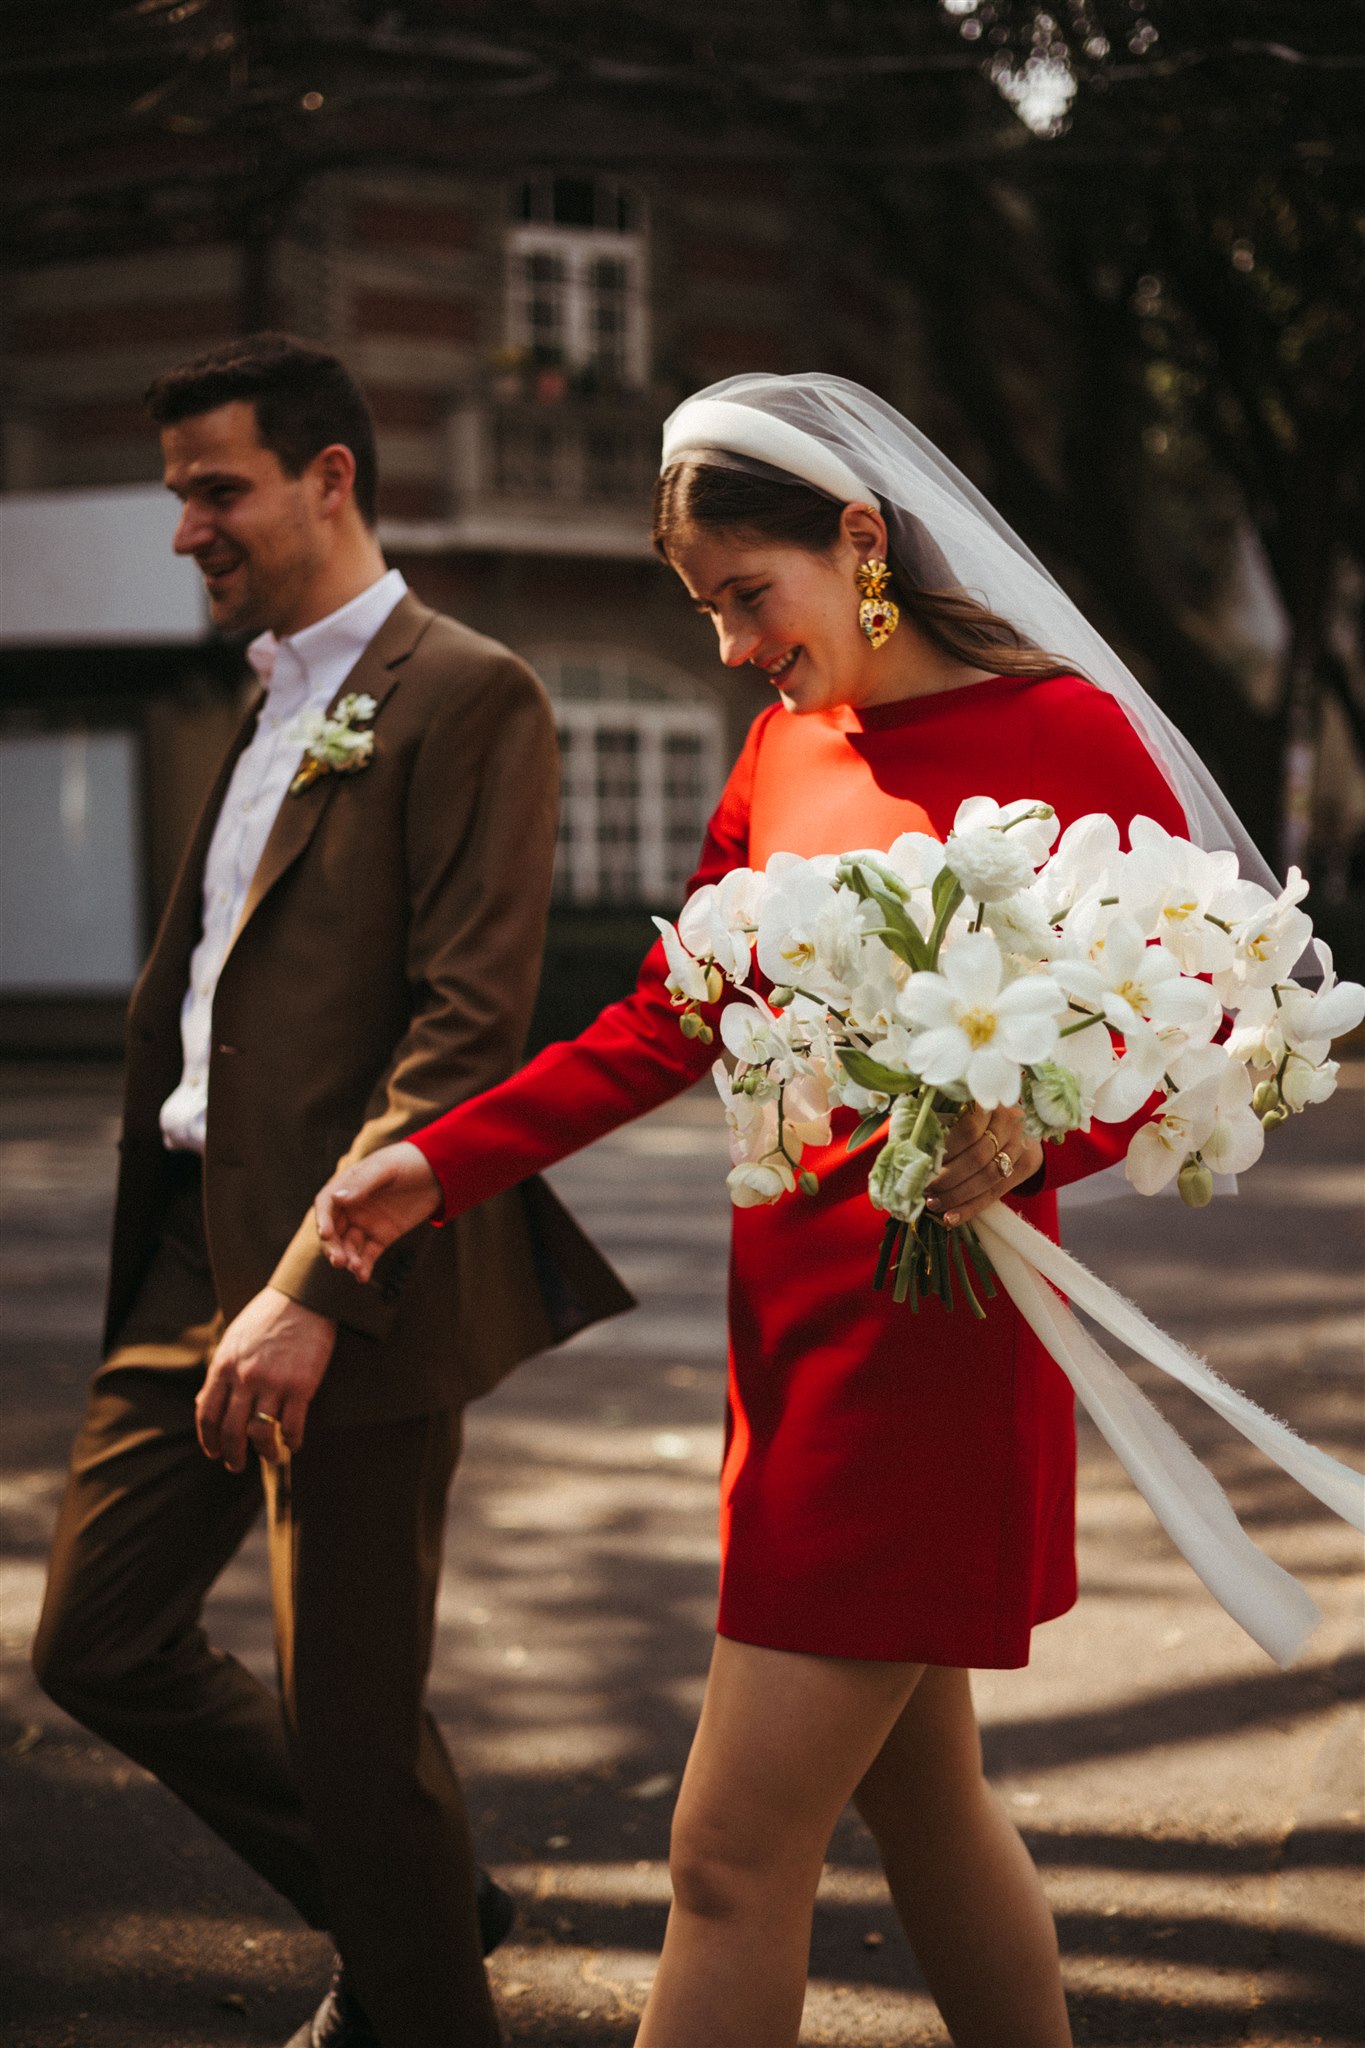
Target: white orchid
[
  {"x": 717, "y": 921},
  {"x": 993, "y": 850},
  {"x": 1131, "y": 1080},
  {"x": 810, "y": 933},
  {"x": 1237, "y": 1139},
  {"x": 1303, "y": 1082},
  {"x": 1085, "y": 863},
  {"x": 973, "y": 1030},
  {"x": 1319, "y": 1015},
  {"x": 1172, "y": 888},
  {"x": 687, "y": 980},
  {"x": 1268, "y": 934},
  {"x": 1130, "y": 980},
  {"x": 916, "y": 858},
  {"x": 760, "y": 1181},
  {"x": 1257, "y": 1037}
]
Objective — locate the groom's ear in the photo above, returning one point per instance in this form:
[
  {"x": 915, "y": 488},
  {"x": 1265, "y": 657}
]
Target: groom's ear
[{"x": 331, "y": 474}]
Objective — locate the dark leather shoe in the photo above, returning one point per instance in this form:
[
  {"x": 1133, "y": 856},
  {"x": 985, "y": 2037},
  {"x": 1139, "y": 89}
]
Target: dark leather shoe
[{"x": 341, "y": 2020}]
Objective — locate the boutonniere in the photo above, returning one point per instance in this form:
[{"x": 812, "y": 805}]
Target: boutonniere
[{"x": 333, "y": 743}]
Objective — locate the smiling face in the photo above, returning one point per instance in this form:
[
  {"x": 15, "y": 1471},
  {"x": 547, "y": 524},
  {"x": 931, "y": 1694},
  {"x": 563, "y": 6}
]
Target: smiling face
[
  {"x": 262, "y": 539},
  {"x": 793, "y": 613}
]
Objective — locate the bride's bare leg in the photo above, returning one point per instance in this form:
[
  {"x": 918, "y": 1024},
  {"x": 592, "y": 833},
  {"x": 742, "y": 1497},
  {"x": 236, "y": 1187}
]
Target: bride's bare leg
[
  {"x": 965, "y": 1887},
  {"x": 781, "y": 1743}
]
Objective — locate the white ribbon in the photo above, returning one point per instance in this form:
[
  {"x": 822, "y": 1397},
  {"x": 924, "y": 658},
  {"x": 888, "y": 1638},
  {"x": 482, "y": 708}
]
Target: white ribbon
[{"x": 1262, "y": 1598}]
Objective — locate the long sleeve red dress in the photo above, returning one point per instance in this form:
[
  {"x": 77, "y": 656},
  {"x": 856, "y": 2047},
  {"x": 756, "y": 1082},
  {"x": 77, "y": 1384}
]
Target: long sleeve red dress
[{"x": 895, "y": 1485}]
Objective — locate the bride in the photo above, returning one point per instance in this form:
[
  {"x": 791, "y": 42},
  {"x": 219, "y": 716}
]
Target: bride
[{"x": 897, "y": 1499}]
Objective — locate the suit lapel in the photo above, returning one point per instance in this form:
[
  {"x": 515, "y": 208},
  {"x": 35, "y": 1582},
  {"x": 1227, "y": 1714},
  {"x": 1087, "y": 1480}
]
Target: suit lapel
[{"x": 376, "y": 674}]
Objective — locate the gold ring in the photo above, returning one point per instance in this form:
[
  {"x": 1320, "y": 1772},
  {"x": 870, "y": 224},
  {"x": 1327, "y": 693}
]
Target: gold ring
[
  {"x": 999, "y": 1148},
  {"x": 261, "y": 1416},
  {"x": 1004, "y": 1165}
]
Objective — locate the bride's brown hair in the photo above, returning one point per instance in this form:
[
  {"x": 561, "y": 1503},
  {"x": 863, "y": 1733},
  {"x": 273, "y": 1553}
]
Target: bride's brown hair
[{"x": 719, "y": 500}]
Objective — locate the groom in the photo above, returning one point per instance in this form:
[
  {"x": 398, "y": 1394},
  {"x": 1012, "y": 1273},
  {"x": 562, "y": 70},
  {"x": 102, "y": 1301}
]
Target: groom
[{"x": 352, "y": 946}]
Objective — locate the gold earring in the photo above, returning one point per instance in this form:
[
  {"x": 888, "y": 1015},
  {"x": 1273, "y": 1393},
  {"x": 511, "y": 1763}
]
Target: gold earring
[{"x": 878, "y": 614}]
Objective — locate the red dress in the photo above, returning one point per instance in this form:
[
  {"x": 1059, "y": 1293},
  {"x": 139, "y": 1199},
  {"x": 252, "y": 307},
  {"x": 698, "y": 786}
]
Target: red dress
[{"x": 895, "y": 1486}]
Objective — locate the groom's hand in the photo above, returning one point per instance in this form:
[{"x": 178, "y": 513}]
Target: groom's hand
[{"x": 269, "y": 1363}]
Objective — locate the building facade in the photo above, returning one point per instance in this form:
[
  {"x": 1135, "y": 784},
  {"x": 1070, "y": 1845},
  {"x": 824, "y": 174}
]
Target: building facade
[{"x": 521, "y": 335}]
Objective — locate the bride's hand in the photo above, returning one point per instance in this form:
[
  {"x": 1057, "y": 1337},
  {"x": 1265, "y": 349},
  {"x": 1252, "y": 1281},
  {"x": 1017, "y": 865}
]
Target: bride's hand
[
  {"x": 980, "y": 1143},
  {"x": 373, "y": 1202}
]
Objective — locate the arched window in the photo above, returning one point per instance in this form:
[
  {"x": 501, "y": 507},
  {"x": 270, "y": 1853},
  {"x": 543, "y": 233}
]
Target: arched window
[
  {"x": 576, "y": 294},
  {"x": 643, "y": 762}
]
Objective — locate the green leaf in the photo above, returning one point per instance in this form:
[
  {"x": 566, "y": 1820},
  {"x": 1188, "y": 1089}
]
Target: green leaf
[
  {"x": 866, "y": 1128},
  {"x": 945, "y": 883},
  {"x": 870, "y": 1073}
]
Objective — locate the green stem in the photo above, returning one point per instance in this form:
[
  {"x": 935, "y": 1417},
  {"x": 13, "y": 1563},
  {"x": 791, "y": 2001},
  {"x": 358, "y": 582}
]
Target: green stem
[
  {"x": 1095, "y": 1017},
  {"x": 960, "y": 1268},
  {"x": 926, "y": 1104}
]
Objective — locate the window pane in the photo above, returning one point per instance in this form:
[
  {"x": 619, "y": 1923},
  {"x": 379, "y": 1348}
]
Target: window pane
[{"x": 69, "y": 876}]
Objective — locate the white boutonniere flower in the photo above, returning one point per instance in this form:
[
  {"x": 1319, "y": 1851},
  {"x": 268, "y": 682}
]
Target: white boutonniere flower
[{"x": 332, "y": 742}]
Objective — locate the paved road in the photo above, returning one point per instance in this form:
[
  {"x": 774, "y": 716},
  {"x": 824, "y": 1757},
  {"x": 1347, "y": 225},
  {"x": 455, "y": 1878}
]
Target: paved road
[{"x": 1196, "y": 1813}]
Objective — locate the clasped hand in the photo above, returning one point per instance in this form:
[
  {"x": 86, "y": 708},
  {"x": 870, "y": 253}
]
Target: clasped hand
[
  {"x": 971, "y": 1179},
  {"x": 373, "y": 1202}
]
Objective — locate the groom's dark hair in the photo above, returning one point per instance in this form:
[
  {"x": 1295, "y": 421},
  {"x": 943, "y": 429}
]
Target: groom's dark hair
[{"x": 305, "y": 399}]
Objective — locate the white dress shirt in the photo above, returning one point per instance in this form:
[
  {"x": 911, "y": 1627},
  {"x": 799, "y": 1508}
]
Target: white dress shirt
[{"x": 300, "y": 674}]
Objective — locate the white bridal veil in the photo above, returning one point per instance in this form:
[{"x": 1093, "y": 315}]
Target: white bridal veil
[{"x": 853, "y": 446}]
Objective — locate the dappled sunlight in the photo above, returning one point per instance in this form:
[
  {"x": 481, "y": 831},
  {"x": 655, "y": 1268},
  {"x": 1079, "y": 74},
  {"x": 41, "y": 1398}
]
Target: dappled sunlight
[{"x": 1194, "y": 1811}]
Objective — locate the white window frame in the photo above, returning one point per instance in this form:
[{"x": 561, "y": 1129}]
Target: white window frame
[
  {"x": 654, "y": 703},
  {"x": 578, "y": 249}
]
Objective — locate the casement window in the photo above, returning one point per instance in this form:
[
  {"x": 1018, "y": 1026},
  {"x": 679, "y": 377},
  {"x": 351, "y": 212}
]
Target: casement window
[
  {"x": 576, "y": 283},
  {"x": 643, "y": 753}
]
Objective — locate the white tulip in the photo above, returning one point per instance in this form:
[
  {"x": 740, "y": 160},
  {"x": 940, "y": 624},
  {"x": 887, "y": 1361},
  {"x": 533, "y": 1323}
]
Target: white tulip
[
  {"x": 1021, "y": 924},
  {"x": 994, "y": 849}
]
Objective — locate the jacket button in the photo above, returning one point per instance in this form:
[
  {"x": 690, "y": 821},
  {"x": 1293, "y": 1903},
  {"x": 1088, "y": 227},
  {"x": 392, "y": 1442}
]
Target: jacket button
[{"x": 227, "y": 1051}]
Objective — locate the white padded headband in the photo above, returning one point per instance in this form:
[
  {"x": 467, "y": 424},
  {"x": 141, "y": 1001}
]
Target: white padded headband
[{"x": 706, "y": 426}]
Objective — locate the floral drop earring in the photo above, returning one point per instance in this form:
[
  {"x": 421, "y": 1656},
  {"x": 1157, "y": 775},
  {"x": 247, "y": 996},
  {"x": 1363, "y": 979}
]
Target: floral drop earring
[{"x": 878, "y": 614}]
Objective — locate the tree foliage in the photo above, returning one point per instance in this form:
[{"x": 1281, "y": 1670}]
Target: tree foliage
[{"x": 1135, "y": 228}]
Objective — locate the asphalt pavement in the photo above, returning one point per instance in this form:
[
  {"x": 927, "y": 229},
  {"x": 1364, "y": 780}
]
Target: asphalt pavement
[{"x": 1197, "y": 1814}]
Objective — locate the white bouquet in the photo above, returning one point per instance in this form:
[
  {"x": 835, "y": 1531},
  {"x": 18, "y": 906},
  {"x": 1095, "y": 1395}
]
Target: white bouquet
[{"x": 1081, "y": 983}]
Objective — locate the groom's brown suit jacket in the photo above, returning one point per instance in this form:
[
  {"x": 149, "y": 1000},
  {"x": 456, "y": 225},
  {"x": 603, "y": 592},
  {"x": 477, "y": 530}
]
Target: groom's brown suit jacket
[{"x": 383, "y": 969}]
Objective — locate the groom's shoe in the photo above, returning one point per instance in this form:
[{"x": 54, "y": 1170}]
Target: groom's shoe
[
  {"x": 342, "y": 2022},
  {"x": 339, "y": 2022}
]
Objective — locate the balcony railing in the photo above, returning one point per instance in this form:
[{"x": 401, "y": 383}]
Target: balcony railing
[{"x": 572, "y": 473}]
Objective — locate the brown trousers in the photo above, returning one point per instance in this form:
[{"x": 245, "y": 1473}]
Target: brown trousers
[{"x": 338, "y": 1790}]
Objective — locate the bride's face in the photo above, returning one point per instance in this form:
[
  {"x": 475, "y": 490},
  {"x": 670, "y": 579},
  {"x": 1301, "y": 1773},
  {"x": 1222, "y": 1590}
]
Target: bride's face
[{"x": 793, "y": 614}]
